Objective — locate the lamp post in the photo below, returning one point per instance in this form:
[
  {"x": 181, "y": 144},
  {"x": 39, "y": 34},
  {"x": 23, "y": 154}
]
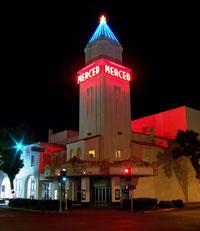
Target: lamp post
[
  {"x": 128, "y": 178},
  {"x": 60, "y": 197},
  {"x": 19, "y": 146},
  {"x": 131, "y": 196},
  {"x": 61, "y": 182},
  {"x": 60, "y": 191}
]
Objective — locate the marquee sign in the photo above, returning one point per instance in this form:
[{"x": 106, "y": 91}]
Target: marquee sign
[{"x": 103, "y": 66}]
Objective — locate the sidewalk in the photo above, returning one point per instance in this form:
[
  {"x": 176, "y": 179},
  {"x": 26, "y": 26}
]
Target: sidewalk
[{"x": 192, "y": 205}]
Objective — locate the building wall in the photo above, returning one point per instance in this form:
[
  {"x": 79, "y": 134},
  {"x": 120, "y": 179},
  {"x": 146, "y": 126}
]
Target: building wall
[
  {"x": 175, "y": 179},
  {"x": 72, "y": 149},
  {"x": 165, "y": 124},
  {"x": 85, "y": 146},
  {"x": 62, "y": 137},
  {"x": 115, "y": 186},
  {"x": 193, "y": 119},
  {"x": 85, "y": 187},
  {"x": 105, "y": 111},
  {"x": 27, "y": 171},
  {"x": 103, "y": 48}
]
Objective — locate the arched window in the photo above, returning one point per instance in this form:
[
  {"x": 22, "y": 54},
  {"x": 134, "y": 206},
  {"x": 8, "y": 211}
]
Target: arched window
[
  {"x": 71, "y": 154},
  {"x": 118, "y": 154},
  {"x": 18, "y": 188},
  {"x": 92, "y": 153},
  {"x": 79, "y": 153},
  {"x": 31, "y": 187},
  {"x": 5, "y": 190}
]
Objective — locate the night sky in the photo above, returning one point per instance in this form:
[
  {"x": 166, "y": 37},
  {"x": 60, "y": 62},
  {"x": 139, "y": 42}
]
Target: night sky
[{"x": 42, "y": 48}]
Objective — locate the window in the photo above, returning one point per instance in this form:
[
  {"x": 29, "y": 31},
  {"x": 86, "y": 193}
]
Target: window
[
  {"x": 79, "y": 153},
  {"x": 71, "y": 153},
  {"x": 55, "y": 158},
  {"x": 32, "y": 160},
  {"x": 64, "y": 159},
  {"x": 18, "y": 188},
  {"x": 92, "y": 153},
  {"x": 117, "y": 98},
  {"x": 118, "y": 154},
  {"x": 89, "y": 101},
  {"x": 47, "y": 159},
  {"x": 31, "y": 187}
]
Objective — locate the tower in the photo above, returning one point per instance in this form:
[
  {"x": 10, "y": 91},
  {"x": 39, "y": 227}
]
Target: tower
[{"x": 105, "y": 95}]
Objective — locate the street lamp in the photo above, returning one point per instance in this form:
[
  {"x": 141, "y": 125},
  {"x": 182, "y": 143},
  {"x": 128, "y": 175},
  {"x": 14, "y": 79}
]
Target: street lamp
[{"x": 19, "y": 146}]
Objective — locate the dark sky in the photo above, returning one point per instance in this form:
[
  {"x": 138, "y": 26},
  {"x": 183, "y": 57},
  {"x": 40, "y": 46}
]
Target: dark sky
[{"x": 42, "y": 49}]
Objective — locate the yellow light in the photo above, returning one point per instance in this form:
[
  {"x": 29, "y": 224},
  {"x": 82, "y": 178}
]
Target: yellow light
[{"x": 103, "y": 19}]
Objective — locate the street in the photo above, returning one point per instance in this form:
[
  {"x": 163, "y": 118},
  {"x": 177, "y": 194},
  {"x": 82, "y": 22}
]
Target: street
[{"x": 184, "y": 219}]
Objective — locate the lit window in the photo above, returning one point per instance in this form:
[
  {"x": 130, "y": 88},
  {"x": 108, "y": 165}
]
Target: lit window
[
  {"x": 92, "y": 153},
  {"x": 18, "y": 188},
  {"x": 31, "y": 187},
  {"x": 118, "y": 153},
  {"x": 79, "y": 153},
  {"x": 32, "y": 160}
]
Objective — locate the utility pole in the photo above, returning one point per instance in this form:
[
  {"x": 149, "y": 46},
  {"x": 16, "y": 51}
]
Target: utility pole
[
  {"x": 60, "y": 197},
  {"x": 131, "y": 196}
]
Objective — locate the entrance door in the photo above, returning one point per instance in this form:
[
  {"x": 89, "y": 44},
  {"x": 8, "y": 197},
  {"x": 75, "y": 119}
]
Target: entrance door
[{"x": 102, "y": 195}]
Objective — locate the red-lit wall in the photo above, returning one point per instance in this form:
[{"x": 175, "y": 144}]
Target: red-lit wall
[
  {"x": 49, "y": 150},
  {"x": 165, "y": 124}
]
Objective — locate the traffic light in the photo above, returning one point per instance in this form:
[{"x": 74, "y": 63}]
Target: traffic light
[
  {"x": 125, "y": 189},
  {"x": 127, "y": 173},
  {"x": 58, "y": 176},
  {"x": 63, "y": 175}
]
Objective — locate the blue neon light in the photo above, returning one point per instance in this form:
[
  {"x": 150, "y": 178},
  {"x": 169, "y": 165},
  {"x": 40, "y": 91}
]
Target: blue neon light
[{"x": 103, "y": 30}]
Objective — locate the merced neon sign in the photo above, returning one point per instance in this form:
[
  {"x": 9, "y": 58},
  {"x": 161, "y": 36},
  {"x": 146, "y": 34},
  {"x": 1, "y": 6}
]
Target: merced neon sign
[{"x": 106, "y": 67}]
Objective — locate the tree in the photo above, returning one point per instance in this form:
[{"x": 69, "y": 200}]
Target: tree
[
  {"x": 188, "y": 144},
  {"x": 10, "y": 154}
]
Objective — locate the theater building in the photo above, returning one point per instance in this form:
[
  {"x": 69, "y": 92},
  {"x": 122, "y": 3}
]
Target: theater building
[
  {"x": 102, "y": 150},
  {"x": 108, "y": 145}
]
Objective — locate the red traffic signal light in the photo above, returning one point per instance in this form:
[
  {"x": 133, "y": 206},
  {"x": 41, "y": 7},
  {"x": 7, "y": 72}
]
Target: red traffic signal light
[
  {"x": 127, "y": 171},
  {"x": 58, "y": 176}
]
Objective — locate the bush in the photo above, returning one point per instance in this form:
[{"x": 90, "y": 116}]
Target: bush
[
  {"x": 178, "y": 203},
  {"x": 166, "y": 204},
  {"x": 140, "y": 204},
  {"x": 2, "y": 201},
  {"x": 44, "y": 205},
  {"x": 171, "y": 204}
]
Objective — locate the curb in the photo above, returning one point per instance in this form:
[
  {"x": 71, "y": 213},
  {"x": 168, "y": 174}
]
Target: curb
[
  {"x": 31, "y": 210},
  {"x": 161, "y": 210}
]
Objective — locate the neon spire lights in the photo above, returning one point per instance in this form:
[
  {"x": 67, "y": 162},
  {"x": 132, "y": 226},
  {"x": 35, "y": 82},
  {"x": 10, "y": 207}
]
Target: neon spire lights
[
  {"x": 103, "y": 19},
  {"x": 103, "y": 30}
]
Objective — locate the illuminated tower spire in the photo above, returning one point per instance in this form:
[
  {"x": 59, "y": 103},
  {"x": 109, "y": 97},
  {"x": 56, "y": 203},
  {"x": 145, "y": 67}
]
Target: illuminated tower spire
[
  {"x": 103, "y": 44},
  {"x": 103, "y": 31}
]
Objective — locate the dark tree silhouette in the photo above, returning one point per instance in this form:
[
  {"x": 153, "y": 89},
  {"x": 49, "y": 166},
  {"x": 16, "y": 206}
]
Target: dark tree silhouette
[
  {"x": 188, "y": 144},
  {"x": 10, "y": 156}
]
